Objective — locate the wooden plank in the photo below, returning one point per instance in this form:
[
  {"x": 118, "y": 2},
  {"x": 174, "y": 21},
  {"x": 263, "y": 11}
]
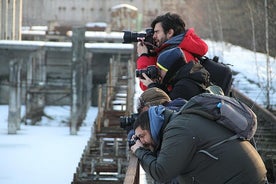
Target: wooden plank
[{"x": 132, "y": 174}]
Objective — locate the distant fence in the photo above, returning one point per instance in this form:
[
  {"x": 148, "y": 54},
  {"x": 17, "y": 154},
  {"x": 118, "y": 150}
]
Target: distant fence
[{"x": 37, "y": 88}]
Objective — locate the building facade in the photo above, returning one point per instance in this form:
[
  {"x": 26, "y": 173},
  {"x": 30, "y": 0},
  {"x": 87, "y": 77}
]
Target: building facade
[
  {"x": 81, "y": 12},
  {"x": 10, "y": 19}
]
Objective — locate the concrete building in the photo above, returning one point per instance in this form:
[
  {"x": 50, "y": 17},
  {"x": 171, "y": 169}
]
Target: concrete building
[
  {"x": 80, "y": 12},
  {"x": 10, "y": 19},
  {"x": 48, "y": 14}
]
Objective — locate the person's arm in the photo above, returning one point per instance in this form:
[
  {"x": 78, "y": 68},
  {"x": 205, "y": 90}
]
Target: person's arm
[
  {"x": 177, "y": 150},
  {"x": 144, "y": 60}
]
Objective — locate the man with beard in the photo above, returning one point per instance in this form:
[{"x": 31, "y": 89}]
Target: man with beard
[
  {"x": 169, "y": 31},
  {"x": 187, "y": 151}
]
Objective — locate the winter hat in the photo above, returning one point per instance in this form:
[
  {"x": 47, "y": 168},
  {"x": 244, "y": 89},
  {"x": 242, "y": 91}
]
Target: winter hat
[
  {"x": 153, "y": 96},
  {"x": 171, "y": 59}
]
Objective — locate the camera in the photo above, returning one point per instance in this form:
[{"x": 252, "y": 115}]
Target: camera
[
  {"x": 127, "y": 121},
  {"x": 132, "y": 141},
  {"x": 130, "y": 37},
  {"x": 151, "y": 71}
]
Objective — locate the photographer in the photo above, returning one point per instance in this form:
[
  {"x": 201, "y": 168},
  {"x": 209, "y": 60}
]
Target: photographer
[
  {"x": 177, "y": 78},
  {"x": 180, "y": 141},
  {"x": 169, "y": 31},
  {"x": 151, "y": 97}
]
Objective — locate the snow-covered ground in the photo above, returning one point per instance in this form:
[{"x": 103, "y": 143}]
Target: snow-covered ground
[
  {"x": 47, "y": 153},
  {"x": 44, "y": 153},
  {"x": 252, "y": 73}
]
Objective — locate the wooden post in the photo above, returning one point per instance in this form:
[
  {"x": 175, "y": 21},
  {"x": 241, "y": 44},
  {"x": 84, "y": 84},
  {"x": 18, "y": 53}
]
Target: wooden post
[
  {"x": 78, "y": 54},
  {"x": 36, "y": 78},
  {"x": 29, "y": 81},
  {"x": 14, "y": 100},
  {"x": 100, "y": 109},
  {"x": 110, "y": 84},
  {"x": 18, "y": 95},
  {"x": 89, "y": 81},
  {"x": 131, "y": 87}
]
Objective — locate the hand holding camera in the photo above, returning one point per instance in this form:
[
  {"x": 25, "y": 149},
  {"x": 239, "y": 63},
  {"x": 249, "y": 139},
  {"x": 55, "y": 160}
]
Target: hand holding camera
[
  {"x": 132, "y": 140},
  {"x": 135, "y": 143},
  {"x": 149, "y": 75},
  {"x": 151, "y": 72},
  {"x": 141, "y": 49},
  {"x": 146, "y": 80}
]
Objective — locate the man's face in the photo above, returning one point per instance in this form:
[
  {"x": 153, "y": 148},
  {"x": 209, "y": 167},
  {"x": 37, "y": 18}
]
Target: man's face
[
  {"x": 159, "y": 35},
  {"x": 145, "y": 138}
]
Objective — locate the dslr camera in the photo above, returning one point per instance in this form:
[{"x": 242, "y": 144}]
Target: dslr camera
[
  {"x": 151, "y": 71},
  {"x": 130, "y": 37},
  {"x": 132, "y": 141},
  {"x": 127, "y": 121}
]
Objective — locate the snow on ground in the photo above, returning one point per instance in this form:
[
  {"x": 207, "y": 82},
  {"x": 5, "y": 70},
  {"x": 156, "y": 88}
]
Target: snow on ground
[
  {"x": 252, "y": 75},
  {"x": 45, "y": 153}
]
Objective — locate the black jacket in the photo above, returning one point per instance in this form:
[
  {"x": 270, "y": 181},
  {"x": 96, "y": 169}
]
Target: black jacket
[
  {"x": 183, "y": 136},
  {"x": 185, "y": 82}
]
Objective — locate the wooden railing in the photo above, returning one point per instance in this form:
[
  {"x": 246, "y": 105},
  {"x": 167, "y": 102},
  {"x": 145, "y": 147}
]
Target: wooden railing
[
  {"x": 106, "y": 158},
  {"x": 133, "y": 172}
]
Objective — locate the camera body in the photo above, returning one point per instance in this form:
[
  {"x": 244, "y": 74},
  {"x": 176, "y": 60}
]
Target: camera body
[
  {"x": 130, "y": 37},
  {"x": 151, "y": 71},
  {"x": 127, "y": 121},
  {"x": 133, "y": 141}
]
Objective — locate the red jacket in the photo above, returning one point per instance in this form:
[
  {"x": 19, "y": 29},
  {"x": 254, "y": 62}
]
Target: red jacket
[{"x": 189, "y": 42}]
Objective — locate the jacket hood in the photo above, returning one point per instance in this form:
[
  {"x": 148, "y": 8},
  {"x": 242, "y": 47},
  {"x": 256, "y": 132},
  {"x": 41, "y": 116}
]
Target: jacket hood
[
  {"x": 156, "y": 118},
  {"x": 176, "y": 40},
  {"x": 173, "y": 42}
]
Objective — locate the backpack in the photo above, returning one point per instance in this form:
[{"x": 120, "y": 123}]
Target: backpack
[
  {"x": 220, "y": 73},
  {"x": 226, "y": 111}
]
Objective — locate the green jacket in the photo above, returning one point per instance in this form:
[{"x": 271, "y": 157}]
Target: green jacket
[{"x": 181, "y": 139}]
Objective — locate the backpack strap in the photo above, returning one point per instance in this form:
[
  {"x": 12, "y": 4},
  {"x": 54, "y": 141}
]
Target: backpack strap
[
  {"x": 208, "y": 116},
  {"x": 217, "y": 144},
  {"x": 224, "y": 141}
]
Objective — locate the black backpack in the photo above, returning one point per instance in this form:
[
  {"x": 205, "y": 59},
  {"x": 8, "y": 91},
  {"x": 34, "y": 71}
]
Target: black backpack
[
  {"x": 220, "y": 73},
  {"x": 226, "y": 111}
]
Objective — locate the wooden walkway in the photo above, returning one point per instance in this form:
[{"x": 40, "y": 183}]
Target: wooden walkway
[{"x": 106, "y": 157}]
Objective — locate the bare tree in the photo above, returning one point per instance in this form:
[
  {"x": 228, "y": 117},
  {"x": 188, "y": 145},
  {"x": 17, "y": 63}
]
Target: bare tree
[
  {"x": 251, "y": 16},
  {"x": 220, "y": 25},
  {"x": 268, "y": 67}
]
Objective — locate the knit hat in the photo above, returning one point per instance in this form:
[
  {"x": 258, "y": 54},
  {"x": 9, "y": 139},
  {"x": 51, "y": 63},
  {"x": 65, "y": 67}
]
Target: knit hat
[
  {"x": 153, "y": 96},
  {"x": 171, "y": 59}
]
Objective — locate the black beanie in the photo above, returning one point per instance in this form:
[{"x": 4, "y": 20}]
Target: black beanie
[{"x": 171, "y": 59}]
